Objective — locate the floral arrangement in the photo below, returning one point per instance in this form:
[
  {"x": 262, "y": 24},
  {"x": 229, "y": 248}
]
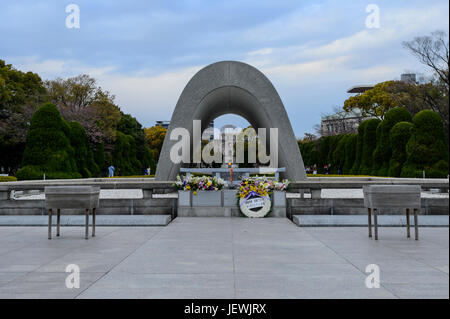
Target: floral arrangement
[
  {"x": 253, "y": 195},
  {"x": 199, "y": 183},
  {"x": 261, "y": 186},
  {"x": 281, "y": 186}
]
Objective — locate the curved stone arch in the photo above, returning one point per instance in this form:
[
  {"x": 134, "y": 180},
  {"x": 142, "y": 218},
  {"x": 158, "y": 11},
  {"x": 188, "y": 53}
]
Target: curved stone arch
[{"x": 233, "y": 87}]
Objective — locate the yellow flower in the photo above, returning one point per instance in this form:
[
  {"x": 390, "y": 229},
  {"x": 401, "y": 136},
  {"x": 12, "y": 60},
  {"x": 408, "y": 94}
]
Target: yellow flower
[
  {"x": 188, "y": 187},
  {"x": 195, "y": 192}
]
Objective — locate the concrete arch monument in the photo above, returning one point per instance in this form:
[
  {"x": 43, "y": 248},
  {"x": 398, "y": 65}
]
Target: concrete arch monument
[{"x": 237, "y": 88}]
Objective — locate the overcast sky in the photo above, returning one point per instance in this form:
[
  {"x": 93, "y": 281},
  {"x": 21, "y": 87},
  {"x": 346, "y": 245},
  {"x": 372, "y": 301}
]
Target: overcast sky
[{"x": 144, "y": 52}]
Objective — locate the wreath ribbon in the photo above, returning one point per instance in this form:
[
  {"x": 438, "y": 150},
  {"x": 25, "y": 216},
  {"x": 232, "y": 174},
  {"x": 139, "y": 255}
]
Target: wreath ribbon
[{"x": 249, "y": 195}]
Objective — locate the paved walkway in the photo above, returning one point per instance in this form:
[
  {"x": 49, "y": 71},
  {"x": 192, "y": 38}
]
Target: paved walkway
[{"x": 224, "y": 258}]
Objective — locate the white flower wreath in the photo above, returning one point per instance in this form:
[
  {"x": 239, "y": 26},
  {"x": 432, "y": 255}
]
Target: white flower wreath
[{"x": 258, "y": 213}]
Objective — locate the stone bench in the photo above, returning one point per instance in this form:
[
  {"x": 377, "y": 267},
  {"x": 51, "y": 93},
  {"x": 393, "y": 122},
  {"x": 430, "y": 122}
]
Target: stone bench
[
  {"x": 392, "y": 196},
  {"x": 58, "y": 197}
]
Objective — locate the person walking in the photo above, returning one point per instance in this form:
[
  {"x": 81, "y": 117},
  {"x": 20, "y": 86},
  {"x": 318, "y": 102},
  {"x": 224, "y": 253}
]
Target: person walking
[
  {"x": 111, "y": 171},
  {"x": 149, "y": 170}
]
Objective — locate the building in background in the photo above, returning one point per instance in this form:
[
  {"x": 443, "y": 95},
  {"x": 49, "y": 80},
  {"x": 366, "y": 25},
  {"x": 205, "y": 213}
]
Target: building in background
[
  {"x": 408, "y": 78},
  {"x": 359, "y": 88},
  {"x": 164, "y": 124},
  {"x": 341, "y": 123},
  {"x": 209, "y": 129},
  {"x": 348, "y": 122}
]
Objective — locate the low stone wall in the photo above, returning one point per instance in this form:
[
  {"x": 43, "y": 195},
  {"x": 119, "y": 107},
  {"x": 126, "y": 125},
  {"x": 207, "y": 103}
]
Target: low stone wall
[
  {"x": 355, "y": 206},
  {"x": 151, "y": 204},
  {"x": 163, "y": 206},
  {"x": 144, "y": 206}
]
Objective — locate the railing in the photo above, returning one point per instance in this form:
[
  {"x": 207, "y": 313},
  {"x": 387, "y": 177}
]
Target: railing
[{"x": 148, "y": 185}]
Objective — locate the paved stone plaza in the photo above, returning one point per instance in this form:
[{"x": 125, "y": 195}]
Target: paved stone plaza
[{"x": 224, "y": 258}]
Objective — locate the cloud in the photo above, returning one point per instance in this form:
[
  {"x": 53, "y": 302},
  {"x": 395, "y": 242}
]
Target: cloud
[
  {"x": 148, "y": 97},
  {"x": 145, "y": 52}
]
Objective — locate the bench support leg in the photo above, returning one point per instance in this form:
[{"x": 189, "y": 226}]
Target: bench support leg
[
  {"x": 375, "y": 221},
  {"x": 50, "y": 223},
  {"x": 93, "y": 222},
  {"x": 86, "y": 233},
  {"x": 58, "y": 221},
  {"x": 416, "y": 226},
  {"x": 408, "y": 226},
  {"x": 369, "y": 211}
]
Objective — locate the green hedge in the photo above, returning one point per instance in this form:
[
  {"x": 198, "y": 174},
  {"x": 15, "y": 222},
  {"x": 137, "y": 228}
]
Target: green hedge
[
  {"x": 350, "y": 151},
  {"x": 83, "y": 154},
  {"x": 399, "y": 137},
  {"x": 359, "y": 147},
  {"x": 393, "y": 147},
  {"x": 368, "y": 147},
  {"x": 124, "y": 155},
  {"x": 427, "y": 149},
  {"x": 338, "y": 155},
  {"x": 8, "y": 179},
  {"x": 383, "y": 150}
]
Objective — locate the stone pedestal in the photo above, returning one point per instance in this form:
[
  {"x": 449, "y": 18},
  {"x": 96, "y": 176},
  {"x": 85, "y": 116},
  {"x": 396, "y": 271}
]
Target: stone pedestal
[
  {"x": 222, "y": 203},
  {"x": 5, "y": 195},
  {"x": 207, "y": 199},
  {"x": 278, "y": 204},
  {"x": 316, "y": 193},
  {"x": 147, "y": 193}
]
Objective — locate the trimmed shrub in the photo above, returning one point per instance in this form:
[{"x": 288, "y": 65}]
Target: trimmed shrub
[
  {"x": 438, "y": 170},
  {"x": 30, "y": 172},
  {"x": 359, "y": 147},
  {"x": 399, "y": 136},
  {"x": 124, "y": 155},
  {"x": 338, "y": 157},
  {"x": 48, "y": 148},
  {"x": 368, "y": 147},
  {"x": 377, "y": 161},
  {"x": 309, "y": 151},
  {"x": 324, "y": 149},
  {"x": 80, "y": 145},
  {"x": 383, "y": 151},
  {"x": 99, "y": 158},
  {"x": 350, "y": 150},
  {"x": 427, "y": 147}
]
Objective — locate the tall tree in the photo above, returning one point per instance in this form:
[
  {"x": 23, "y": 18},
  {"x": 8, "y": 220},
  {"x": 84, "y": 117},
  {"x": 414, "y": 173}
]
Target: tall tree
[
  {"x": 433, "y": 51},
  {"x": 130, "y": 126},
  {"x": 80, "y": 99},
  {"x": 155, "y": 138},
  {"x": 20, "y": 95}
]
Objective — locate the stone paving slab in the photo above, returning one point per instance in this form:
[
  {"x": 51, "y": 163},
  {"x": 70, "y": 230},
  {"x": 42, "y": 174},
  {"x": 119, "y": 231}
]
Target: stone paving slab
[
  {"x": 79, "y": 220},
  {"x": 362, "y": 220},
  {"x": 224, "y": 258}
]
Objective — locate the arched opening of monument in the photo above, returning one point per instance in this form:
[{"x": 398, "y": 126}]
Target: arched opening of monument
[
  {"x": 231, "y": 100},
  {"x": 234, "y": 138}
]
